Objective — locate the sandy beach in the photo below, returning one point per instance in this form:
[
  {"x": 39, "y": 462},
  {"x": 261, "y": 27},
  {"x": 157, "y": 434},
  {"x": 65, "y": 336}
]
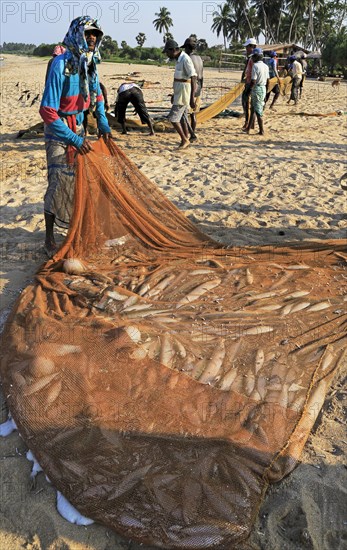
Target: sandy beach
[{"x": 239, "y": 189}]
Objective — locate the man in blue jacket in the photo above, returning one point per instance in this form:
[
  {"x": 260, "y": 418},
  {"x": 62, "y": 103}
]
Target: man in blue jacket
[{"x": 72, "y": 87}]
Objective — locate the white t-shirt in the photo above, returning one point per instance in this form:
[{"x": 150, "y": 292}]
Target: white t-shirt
[
  {"x": 260, "y": 73},
  {"x": 126, "y": 86},
  {"x": 184, "y": 70},
  {"x": 297, "y": 69}
]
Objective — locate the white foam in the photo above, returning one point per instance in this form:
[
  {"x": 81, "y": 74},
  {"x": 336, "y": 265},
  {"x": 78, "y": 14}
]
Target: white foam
[
  {"x": 69, "y": 512},
  {"x": 117, "y": 242},
  {"x": 6, "y": 428},
  {"x": 65, "y": 509},
  {"x": 36, "y": 466}
]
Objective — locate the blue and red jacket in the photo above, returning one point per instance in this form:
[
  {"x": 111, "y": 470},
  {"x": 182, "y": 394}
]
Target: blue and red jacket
[{"x": 61, "y": 98}]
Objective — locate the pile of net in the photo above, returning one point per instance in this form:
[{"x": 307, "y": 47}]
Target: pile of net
[{"x": 163, "y": 381}]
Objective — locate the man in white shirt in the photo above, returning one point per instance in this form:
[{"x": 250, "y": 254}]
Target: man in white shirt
[
  {"x": 259, "y": 82},
  {"x": 184, "y": 88},
  {"x": 296, "y": 73}
]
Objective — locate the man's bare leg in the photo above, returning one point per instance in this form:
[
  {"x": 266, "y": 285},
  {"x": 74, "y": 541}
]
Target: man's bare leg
[
  {"x": 185, "y": 128},
  {"x": 247, "y": 114},
  {"x": 151, "y": 129},
  {"x": 183, "y": 133},
  {"x": 274, "y": 100},
  {"x": 189, "y": 131},
  {"x": 250, "y": 125},
  {"x": 193, "y": 135},
  {"x": 261, "y": 125},
  {"x": 50, "y": 244}
]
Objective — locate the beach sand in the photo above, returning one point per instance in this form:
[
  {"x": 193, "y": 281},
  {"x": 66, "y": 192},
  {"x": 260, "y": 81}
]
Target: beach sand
[{"x": 240, "y": 189}]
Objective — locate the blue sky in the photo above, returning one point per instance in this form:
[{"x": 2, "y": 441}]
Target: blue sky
[{"x": 47, "y": 21}]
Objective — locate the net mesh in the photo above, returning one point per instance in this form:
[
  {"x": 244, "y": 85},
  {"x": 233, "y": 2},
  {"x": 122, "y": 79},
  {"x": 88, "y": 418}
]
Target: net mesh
[
  {"x": 168, "y": 380},
  {"x": 221, "y": 104}
]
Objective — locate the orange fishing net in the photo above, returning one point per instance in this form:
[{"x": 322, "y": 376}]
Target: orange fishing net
[{"x": 164, "y": 383}]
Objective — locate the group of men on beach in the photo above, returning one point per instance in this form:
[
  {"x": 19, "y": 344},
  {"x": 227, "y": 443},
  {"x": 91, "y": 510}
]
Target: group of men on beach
[
  {"x": 187, "y": 86},
  {"x": 257, "y": 75}
]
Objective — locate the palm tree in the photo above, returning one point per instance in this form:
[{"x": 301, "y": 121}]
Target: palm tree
[
  {"x": 242, "y": 9},
  {"x": 317, "y": 9},
  {"x": 296, "y": 9},
  {"x": 281, "y": 12},
  {"x": 167, "y": 36},
  {"x": 326, "y": 21},
  {"x": 340, "y": 14},
  {"x": 201, "y": 45},
  {"x": 141, "y": 39},
  {"x": 268, "y": 13},
  {"x": 163, "y": 21},
  {"x": 244, "y": 21},
  {"x": 222, "y": 21}
]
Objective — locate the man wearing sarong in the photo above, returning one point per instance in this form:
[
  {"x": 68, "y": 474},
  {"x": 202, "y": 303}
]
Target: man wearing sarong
[
  {"x": 72, "y": 87},
  {"x": 130, "y": 92},
  {"x": 250, "y": 44},
  {"x": 259, "y": 83},
  {"x": 184, "y": 88},
  {"x": 295, "y": 70},
  {"x": 189, "y": 48}
]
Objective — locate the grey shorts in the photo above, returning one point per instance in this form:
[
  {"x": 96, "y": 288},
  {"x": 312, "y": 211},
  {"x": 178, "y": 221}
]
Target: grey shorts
[{"x": 177, "y": 112}]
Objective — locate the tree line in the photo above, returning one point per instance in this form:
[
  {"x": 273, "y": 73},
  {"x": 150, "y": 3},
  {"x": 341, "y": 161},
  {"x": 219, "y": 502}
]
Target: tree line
[
  {"x": 112, "y": 51},
  {"x": 313, "y": 24},
  {"x": 17, "y": 47},
  {"x": 307, "y": 22}
]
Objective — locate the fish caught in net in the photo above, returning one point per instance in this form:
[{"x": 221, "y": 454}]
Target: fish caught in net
[{"x": 161, "y": 379}]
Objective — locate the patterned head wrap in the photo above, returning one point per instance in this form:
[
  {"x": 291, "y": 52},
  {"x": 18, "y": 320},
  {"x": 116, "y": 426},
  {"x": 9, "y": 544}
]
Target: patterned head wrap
[
  {"x": 82, "y": 61},
  {"x": 58, "y": 50}
]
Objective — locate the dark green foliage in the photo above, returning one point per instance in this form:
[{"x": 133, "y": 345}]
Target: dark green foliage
[
  {"x": 17, "y": 47},
  {"x": 334, "y": 51}
]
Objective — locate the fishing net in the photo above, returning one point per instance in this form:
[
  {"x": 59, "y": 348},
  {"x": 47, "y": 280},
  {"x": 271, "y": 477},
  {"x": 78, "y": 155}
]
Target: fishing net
[
  {"x": 221, "y": 104},
  {"x": 227, "y": 99},
  {"x": 163, "y": 384},
  {"x": 285, "y": 84}
]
